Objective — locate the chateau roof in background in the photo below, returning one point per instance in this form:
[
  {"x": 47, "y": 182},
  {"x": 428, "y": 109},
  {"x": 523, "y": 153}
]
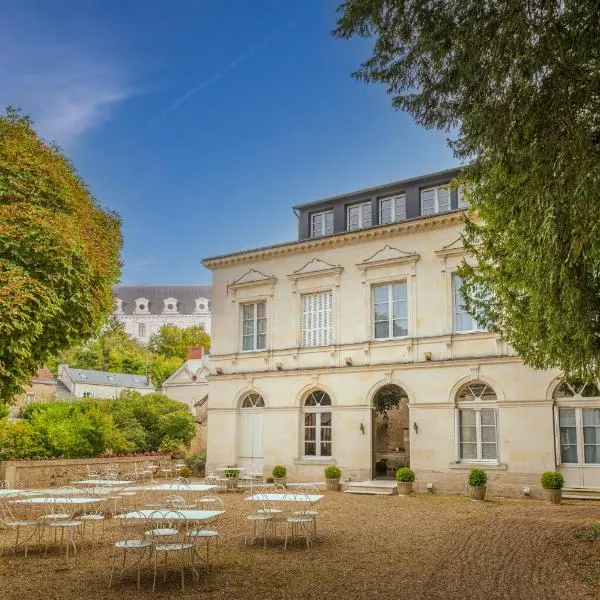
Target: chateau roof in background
[
  {"x": 106, "y": 378},
  {"x": 185, "y": 295}
]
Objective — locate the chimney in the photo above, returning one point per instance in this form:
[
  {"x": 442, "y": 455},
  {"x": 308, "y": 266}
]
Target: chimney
[{"x": 195, "y": 353}]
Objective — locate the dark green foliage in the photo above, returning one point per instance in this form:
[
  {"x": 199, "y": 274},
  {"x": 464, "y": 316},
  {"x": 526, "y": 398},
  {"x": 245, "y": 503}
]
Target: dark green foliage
[
  {"x": 133, "y": 423},
  {"x": 279, "y": 471},
  {"x": 333, "y": 472},
  {"x": 59, "y": 254},
  {"x": 477, "y": 478},
  {"x": 517, "y": 82},
  {"x": 173, "y": 342},
  {"x": 552, "y": 480},
  {"x": 196, "y": 462},
  {"x": 185, "y": 472},
  {"x": 405, "y": 474}
]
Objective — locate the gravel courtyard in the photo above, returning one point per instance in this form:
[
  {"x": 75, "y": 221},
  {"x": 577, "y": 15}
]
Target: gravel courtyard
[{"x": 420, "y": 547}]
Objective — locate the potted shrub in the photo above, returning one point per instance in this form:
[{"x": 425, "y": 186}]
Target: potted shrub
[
  {"x": 332, "y": 478},
  {"x": 553, "y": 483},
  {"x": 405, "y": 477},
  {"x": 185, "y": 472},
  {"x": 477, "y": 480},
  {"x": 279, "y": 473}
]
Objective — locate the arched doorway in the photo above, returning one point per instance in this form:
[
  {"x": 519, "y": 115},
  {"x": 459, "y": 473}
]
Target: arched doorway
[
  {"x": 250, "y": 432},
  {"x": 391, "y": 436}
]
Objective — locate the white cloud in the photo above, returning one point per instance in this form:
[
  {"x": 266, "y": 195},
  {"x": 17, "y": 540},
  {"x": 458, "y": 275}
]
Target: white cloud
[{"x": 64, "y": 88}]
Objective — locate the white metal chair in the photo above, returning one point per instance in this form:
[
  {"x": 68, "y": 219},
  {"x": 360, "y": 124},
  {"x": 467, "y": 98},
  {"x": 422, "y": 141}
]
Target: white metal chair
[
  {"x": 300, "y": 523},
  {"x": 310, "y": 511},
  {"x": 168, "y": 543},
  {"x": 259, "y": 520},
  {"x": 209, "y": 529},
  {"x": 16, "y": 519},
  {"x": 165, "y": 469},
  {"x": 136, "y": 546},
  {"x": 67, "y": 527}
]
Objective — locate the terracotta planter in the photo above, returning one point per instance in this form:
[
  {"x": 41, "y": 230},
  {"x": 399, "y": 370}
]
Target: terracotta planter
[
  {"x": 477, "y": 492},
  {"x": 554, "y": 496},
  {"x": 333, "y": 485},
  {"x": 404, "y": 488},
  {"x": 280, "y": 480}
]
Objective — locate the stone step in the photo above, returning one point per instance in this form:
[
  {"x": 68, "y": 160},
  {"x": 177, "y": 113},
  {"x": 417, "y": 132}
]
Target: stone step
[
  {"x": 581, "y": 493},
  {"x": 370, "y": 492}
]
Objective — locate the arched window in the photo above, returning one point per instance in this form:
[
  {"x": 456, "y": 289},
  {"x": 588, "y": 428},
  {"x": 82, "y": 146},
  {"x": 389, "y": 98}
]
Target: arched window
[
  {"x": 578, "y": 426},
  {"x": 317, "y": 424},
  {"x": 253, "y": 400},
  {"x": 477, "y": 422}
]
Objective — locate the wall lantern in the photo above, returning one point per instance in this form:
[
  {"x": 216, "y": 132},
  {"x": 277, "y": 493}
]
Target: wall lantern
[
  {"x": 362, "y": 428},
  {"x": 219, "y": 371},
  {"x": 348, "y": 361},
  {"x": 415, "y": 427}
]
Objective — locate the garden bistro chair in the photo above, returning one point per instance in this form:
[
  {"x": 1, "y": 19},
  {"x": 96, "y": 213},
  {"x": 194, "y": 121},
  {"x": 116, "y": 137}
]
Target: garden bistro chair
[
  {"x": 165, "y": 469},
  {"x": 211, "y": 477},
  {"x": 125, "y": 491},
  {"x": 300, "y": 523},
  {"x": 67, "y": 527},
  {"x": 14, "y": 518},
  {"x": 259, "y": 522},
  {"x": 209, "y": 529},
  {"x": 142, "y": 548},
  {"x": 4, "y": 484},
  {"x": 93, "y": 514},
  {"x": 167, "y": 543},
  {"x": 310, "y": 511}
]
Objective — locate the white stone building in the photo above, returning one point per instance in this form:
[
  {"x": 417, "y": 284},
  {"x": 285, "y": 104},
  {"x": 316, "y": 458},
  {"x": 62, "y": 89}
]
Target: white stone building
[
  {"x": 144, "y": 309},
  {"x": 308, "y": 337},
  {"x": 84, "y": 383}
]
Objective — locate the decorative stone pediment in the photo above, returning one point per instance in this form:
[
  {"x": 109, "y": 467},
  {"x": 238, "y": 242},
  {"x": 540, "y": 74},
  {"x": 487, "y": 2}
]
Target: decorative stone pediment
[
  {"x": 389, "y": 256},
  {"x": 316, "y": 268},
  {"x": 251, "y": 279},
  {"x": 170, "y": 306},
  {"x": 456, "y": 248}
]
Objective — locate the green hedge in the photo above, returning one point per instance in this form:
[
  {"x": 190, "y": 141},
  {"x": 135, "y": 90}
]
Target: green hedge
[{"x": 88, "y": 428}]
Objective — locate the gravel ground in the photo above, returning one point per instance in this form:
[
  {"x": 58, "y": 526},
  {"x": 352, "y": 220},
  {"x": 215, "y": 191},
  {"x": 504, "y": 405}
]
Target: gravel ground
[{"x": 420, "y": 547}]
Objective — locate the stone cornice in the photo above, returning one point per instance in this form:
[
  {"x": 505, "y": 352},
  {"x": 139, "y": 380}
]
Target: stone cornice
[{"x": 334, "y": 241}]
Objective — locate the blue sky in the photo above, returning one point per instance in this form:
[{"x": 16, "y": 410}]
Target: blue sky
[{"x": 202, "y": 122}]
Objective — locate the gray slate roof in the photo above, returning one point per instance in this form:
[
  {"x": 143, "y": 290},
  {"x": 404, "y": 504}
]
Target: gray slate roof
[
  {"x": 106, "y": 378},
  {"x": 186, "y": 296}
]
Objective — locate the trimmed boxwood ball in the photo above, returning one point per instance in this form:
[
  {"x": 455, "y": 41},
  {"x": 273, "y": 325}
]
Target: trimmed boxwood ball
[
  {"x": 333, "y": 473},
  {"x": 279, "y": 471},
  {"x": 405, "y": 474},
  {"x": 551, "y": 480},
  {"x": 477, "y": 478},
  {"x": 185, "y": 472}
]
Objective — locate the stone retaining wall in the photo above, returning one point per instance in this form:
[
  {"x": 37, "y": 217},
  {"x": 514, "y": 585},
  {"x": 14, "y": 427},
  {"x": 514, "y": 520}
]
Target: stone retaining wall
[{"x": 25, "y": 474}]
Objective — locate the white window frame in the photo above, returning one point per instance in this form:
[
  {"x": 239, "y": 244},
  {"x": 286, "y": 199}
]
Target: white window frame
[
  {"x": 142, "y": 326},
  {"x": 255, "y": 319},
  {"x": 475, "y": 326},
  {"x": 29, "y": 397},
  {"x": 477, "y": 405},
  {"x": 397, "y": 214},
  {"x": 462, "y": 200},
  {"x": 390, "y": 302},
  {"x": 362, "y": 221},
  {"x": 324, "y": 231},
  {"x": 578, "y": 432},
  {"x": 317, "y": 411},
  {"x": 316, "y": 325},
  {"x": 436, "y": 199}
]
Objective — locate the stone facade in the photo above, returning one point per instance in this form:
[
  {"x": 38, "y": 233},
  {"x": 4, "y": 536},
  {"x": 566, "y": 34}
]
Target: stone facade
[
  {"x": 144, "y": 309},
  {"x": 41, "y": 388},
  {"x": 514, "y": 433}
]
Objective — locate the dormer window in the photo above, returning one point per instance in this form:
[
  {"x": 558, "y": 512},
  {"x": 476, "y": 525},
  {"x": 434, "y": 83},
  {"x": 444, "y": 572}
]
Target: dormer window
[
  {"x": 142, "y": 306},
  {"x": 170, "y": 305},
  {"x": 201, "y": 305},
  {"x": 358, "y": 216},
  {"x": 321, "y": 223}
]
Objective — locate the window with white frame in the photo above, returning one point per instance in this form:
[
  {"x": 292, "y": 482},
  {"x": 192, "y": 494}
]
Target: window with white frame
[
  {"x": 390, "y": 310},
  {"x": 435, "y": 200},
  {"x": 29, "y": 398},
  {"x": 578, "y": 426},
  {"x": 359, "y": 216},
  {"x": 142, "y": 330},
  {"x": 254, "y": 326},
  {"x": 253, "y": 400},
  {"x": 87, "y": 394},
  {"x": 463, "y": 320},
  {"x": 317, "y": 319},
  {"x": 477, "y": 423},
  {"x": 317, "y": 424},
  {"x": 392, "y": 209},
  {"x": 321, "y": 223}
]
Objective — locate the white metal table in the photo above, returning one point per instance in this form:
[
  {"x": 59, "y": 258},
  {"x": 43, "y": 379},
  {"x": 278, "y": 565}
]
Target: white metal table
[
  {"x": 170, "y": 515},
  {"x": 286, "y": 497},
  {"x": 178, "y": 487}
]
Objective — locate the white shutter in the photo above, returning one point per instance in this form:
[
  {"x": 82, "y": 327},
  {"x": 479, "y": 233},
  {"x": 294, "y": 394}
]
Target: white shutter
[{"x": 317, "y": 321}]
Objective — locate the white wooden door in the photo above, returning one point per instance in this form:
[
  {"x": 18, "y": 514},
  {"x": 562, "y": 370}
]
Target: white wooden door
[{"x": 250, "y": 438}]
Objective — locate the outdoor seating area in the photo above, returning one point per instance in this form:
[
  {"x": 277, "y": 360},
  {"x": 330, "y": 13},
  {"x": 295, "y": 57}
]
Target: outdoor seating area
[{"x": 157, "y": 529}]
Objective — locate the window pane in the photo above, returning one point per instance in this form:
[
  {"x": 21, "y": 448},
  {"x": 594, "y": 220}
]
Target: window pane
[
  {"x": 591, "y": 417},
  {"x": 310, "y": 449},
  {"x": 399, "y": 292},
  {"x": 566, "y": 417},
  {"x": 310, "y": 419},
  {"x": 592, "y": 454},
  {"x": 248, "y": 311},
  {"x": 400, "y": 208},
  {"x": 326, "y": 434},
  {"x": 329, "y": 222},
  {"x": 382, "y": 312},
  {"x": 568, "y": 454},
  {"x": 380, "y": 294},
  {"x": 261, "y": 341},
  {"x": 385, "y": 211},
  {"x": 468, "y": 435},
  {"x": 400, "y": 328},
  {"x": 382, "y": 330},
  {"x": 248, "y": 327},
  {"x": 326, "y": 419},
  {"x": 467, "y": 418},
  {"x": 488, "y": 417},
  {"x": 366, "y": 214},
  {"x": 488, "y": 451},
  {"x": 591, "y": 434},
  {"x": 353, "y": 217},
  {"x": 310, "y": 434},
  {"x": 568, "y": 435},
  {"x": 248, "y": 342},
  {"x": 468, "y": 451},
  {"x": 260, "y": 310},
  {"x": 325, "y": 448}
]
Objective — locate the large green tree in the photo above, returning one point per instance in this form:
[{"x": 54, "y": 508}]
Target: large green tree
[
  {"x": 518, "y": 86},
  {"x": 173, "y": 342},
  {"x": 59, "y": 254}
]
